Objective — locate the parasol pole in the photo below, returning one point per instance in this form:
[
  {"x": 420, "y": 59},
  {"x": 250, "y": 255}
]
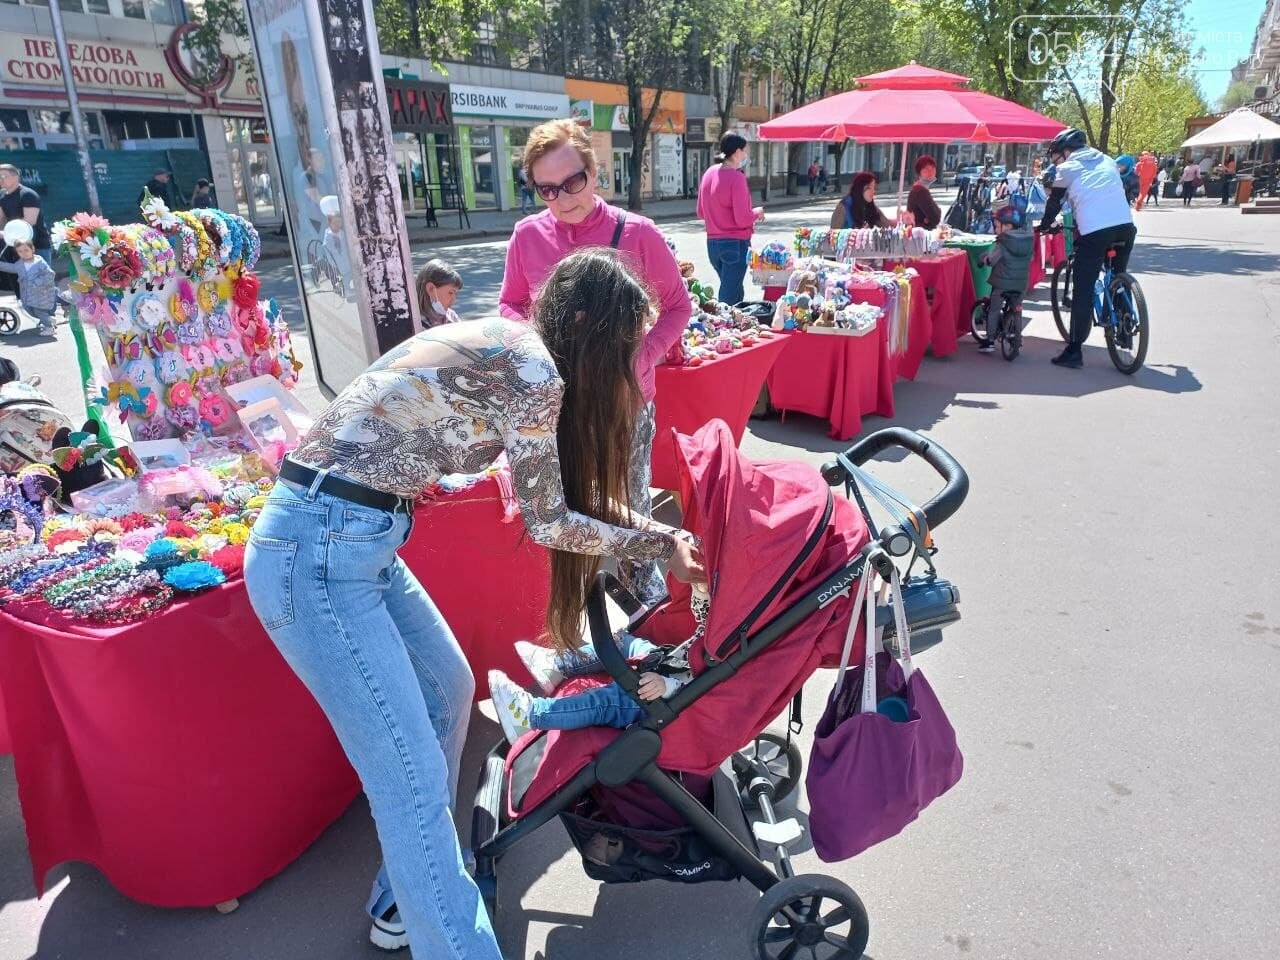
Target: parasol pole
[{"x": 902, "y": 176}]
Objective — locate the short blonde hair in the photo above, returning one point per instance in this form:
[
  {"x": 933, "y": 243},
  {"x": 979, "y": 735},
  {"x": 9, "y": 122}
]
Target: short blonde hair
[{"x": 554, "y": 134}]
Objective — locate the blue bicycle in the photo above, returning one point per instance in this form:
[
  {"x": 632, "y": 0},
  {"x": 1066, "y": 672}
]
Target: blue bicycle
[{"x": 1118, "y": 307}]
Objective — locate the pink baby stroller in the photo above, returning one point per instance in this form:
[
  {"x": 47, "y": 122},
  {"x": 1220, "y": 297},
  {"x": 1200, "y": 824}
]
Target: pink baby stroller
[{"x": 667, "y": 798}]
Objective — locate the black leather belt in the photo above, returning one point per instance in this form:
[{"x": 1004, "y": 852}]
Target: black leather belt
[{"x": 344, "y": 489}]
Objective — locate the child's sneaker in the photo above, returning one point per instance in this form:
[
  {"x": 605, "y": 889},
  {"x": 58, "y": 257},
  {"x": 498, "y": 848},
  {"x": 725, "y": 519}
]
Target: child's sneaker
[
  {"x": 541, "y": 663},
  {"x": 511, "y": 703}
]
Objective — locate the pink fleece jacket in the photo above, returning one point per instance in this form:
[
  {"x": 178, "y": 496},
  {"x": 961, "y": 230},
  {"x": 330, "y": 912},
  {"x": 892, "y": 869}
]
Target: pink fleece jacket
[
  {"x": 724, "y": 202},
  {"x": 541, "y": 241}
]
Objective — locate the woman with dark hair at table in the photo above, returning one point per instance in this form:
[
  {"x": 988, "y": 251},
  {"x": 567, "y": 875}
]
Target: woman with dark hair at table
[
  {"x": 561, "y": 165},
  {"x": 920, "y": 203},
  {"x": 724, "y": 204},
  {"x": 857, "y": 208},
  {"x": 559, "y": 396}
]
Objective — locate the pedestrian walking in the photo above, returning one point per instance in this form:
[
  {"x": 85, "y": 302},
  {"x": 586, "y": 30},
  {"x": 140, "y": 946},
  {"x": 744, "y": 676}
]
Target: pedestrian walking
[
  {"x": 822, "y": 178},
  {"x": 527, "y": 199},
  {"x": 202, "y": 198},
  {"x": 158, "y": 186},
  {"x": 1157, "y": 188},
  {"x": 1190, "y": 180},
  {"x": 813, "y": 177},
  {"x": 1228, "y": 171},
  {"x": 724, "y": 204}
]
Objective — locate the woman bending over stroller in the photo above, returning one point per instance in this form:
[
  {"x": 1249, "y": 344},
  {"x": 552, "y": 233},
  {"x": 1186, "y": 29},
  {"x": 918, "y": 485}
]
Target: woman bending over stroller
[
  {"x": 607, "y": 706},
  {"x": 559, "y": 396}
]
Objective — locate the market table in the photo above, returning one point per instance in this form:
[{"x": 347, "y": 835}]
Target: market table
[
  {"x": 947, "y": 275},
  {"x": 841, "y": 378},
  {"x": 182, "y": 757},
  {"x": 726, "y": 388}
]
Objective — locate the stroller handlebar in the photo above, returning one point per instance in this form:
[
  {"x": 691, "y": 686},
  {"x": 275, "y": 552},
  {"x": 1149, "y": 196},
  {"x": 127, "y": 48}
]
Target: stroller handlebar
[
  {"x": 607, "y": 651},
  {"x": 941, "y": 507}
]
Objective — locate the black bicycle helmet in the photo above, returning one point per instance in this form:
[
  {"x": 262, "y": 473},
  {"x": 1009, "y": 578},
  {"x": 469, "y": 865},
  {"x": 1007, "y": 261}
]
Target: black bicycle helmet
[{"x": 1069, "y": 139}]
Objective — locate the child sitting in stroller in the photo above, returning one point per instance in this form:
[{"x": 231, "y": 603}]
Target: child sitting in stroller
[
  {"x": 1010, "y": 262},
  {"x": 607, "y": 706}
]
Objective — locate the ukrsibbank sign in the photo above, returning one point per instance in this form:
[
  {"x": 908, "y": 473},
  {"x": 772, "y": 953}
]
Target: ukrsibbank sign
[{"x": 511, "y": 104}]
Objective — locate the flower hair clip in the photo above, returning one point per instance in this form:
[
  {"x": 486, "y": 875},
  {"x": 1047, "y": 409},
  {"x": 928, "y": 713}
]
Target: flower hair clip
[
  {"x": 148, "y": 312},
  {"x": 125, "y": 348}
]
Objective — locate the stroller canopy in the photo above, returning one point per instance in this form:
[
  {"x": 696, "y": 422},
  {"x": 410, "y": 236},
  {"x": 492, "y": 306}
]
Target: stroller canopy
[{"x": 755, "y": 521}]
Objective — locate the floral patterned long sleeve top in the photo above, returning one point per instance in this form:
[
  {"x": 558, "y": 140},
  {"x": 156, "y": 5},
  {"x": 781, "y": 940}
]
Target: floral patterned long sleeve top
[{"x": 450, "y": 400}]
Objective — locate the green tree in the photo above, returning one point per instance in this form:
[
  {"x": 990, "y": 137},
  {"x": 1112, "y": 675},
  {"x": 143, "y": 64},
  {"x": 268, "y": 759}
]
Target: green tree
[
  {"x": 1238, "y": 94},
  {"x": 735, "y": 36},
  {"x": 649, "y": 40}
]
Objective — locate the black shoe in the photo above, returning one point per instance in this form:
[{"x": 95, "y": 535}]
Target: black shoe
[{"x": 1068, "y": 358}]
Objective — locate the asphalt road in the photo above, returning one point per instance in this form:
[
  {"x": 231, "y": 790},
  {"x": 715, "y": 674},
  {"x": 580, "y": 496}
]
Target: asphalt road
[{"x": 1110, "y": 683}]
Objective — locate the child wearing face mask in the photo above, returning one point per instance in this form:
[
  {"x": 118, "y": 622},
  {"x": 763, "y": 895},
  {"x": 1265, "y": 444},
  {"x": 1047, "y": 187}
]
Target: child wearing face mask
[{"x": 437, "y": 285}]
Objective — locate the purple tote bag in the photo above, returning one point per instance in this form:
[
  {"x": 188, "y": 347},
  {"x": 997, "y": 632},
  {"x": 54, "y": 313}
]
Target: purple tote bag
[{"x": 870, "y": 776}]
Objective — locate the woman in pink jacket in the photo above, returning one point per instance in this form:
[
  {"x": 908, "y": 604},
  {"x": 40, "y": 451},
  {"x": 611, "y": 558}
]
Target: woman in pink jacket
[
  {"x": 724, "y": 202},
  {"x": 560, "y": 164}
]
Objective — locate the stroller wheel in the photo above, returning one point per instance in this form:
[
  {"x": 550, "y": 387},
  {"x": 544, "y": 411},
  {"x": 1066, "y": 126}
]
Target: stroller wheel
[
  {"x": 810, "y": 911},
  {"x": 9, "y": 320},
  {"x": 768, "y": 755}
]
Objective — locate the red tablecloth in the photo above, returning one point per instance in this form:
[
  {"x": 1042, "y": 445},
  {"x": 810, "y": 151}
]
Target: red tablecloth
[
  {"x": 842, "y": 378},
  {"x": 688, "y": 397},
  {"x": 948, "y": 276},
  {"x": 1050, "y": 251},
  {"x": 182, "y": 757}
]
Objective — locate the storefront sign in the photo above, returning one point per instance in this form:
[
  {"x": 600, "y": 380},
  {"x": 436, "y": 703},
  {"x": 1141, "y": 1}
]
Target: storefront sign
[
  {"x": 695, "y": 129},
  {"x": 417, "y": 105},
  {"x": 669, "y": 149},
  {"x": 517, "y": 104},
  {"x": 96, "y": 65},
  {"x": 714, "y": 129},
  {"x": 583, "y": 111}
]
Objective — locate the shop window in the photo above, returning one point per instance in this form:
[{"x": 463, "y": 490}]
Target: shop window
[
  {"x": 755, "y": 94},
  {"x": 164, "y": 11},
  {"x": 15, "y": 121},
  {"x": 137, "y": 9},
  {"x": 59, "y": 121}
]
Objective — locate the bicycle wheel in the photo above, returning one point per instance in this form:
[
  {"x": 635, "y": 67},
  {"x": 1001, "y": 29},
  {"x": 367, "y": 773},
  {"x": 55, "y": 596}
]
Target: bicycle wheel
[
  {"x": 1060, "y": 298},
  {"x": 1011, "y": 342},
  {"x": 9, "y": 320},
  {"x": 1128, "y": 333},
  {"x": 978, "y": 321}
]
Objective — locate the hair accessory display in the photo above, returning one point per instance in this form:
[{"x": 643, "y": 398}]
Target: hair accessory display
[{"x": 194, "y": 575}]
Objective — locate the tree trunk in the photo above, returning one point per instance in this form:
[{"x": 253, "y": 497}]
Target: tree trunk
[
  {"x": 794, "y": 150},
  {"x": 839, "y": 162},
  {"x": 635, "y": 191}
]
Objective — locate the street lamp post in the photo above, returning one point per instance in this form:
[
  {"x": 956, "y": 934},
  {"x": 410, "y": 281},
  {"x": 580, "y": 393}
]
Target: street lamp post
[{"x": 77, "y": 119}]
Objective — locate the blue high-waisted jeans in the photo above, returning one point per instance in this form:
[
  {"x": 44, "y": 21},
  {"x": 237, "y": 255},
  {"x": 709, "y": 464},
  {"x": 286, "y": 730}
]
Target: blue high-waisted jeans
[{"x": 361, "y": 633}]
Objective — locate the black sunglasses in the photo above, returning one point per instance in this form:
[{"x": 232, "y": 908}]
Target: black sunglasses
[{"x": 575, "y": 184}]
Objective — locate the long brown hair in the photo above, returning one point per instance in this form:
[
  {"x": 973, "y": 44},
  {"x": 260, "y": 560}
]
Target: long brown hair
[{"x": 590, "y": 315}]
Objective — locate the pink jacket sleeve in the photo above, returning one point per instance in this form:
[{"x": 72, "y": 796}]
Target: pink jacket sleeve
[
  {"x": 740, "y": 212},
  {"x": 514, "y": 300},
  {"x": 674, "y": 309}
]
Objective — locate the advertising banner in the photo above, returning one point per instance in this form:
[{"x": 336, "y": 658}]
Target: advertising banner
[{"x": 321, "y": 79}]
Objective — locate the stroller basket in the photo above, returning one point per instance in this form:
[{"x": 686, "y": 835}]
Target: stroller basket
[{"x": 618, "y": 853}]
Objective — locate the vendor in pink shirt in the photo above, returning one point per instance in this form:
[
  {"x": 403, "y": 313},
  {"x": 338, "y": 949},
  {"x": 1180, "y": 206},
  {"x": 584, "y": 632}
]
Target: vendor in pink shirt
[
  {"x": 724, "y": 202},
  {"x": 561, "y": 166}
]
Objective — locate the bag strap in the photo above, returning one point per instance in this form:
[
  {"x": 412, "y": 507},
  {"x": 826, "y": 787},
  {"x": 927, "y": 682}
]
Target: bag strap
[
  {"x": 617, "y": 230},
  {"x": 916, "y": 526},
  {"x": 900, "y": 624},
  {"x": 863, "y": 604}
]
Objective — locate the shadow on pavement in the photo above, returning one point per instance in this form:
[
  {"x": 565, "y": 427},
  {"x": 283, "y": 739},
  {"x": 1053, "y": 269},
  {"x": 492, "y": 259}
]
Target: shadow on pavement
[
  {"x": 1169, "y": 255},
  {"x": 968, "y": 379}
]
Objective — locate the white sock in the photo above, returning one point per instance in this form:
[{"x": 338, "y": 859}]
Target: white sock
[
  {"x": 541, "y": 663},
  {"x": 511, "y": 703}
]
